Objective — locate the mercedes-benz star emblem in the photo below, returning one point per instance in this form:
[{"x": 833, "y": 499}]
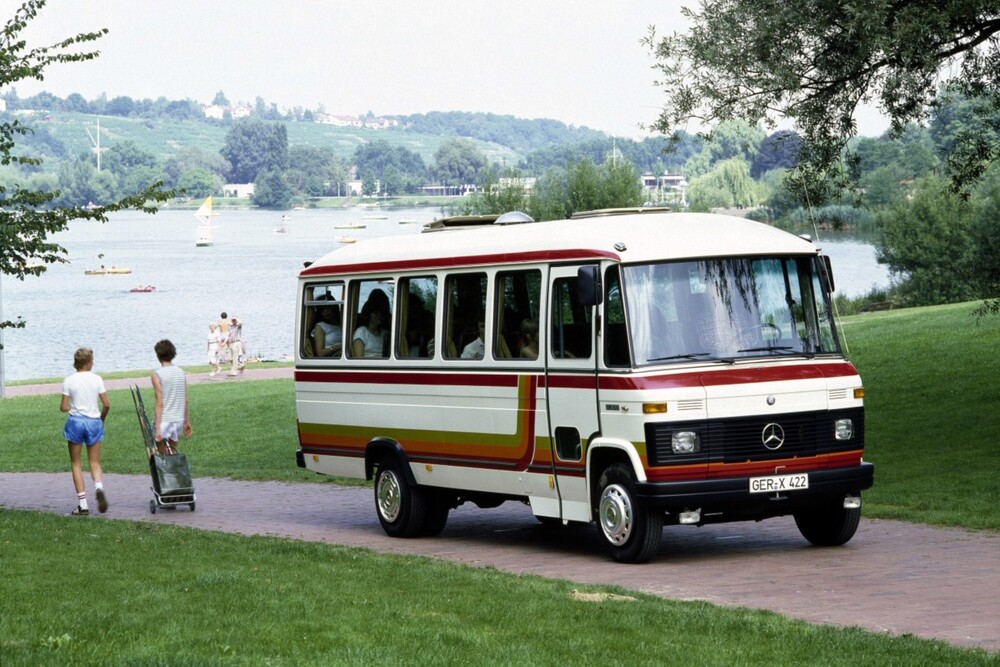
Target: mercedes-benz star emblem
[{"x": 773, "y": 436}]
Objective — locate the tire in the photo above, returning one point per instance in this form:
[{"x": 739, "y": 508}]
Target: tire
[
  {"x": 436, "y": 516},
  {"x": 152, "y": 507},
  {"x": 401, "y": 508},
  {"x": 631, "y": 531},
  {"x": 829, "y": 525},
  {"x": 192, "y": 507}
]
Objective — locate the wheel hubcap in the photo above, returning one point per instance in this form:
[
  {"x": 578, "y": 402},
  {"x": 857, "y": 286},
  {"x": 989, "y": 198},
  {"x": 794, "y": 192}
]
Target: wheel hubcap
[
  {"x": 615, "y": 513},
  {"x": 388, "y": 496}
]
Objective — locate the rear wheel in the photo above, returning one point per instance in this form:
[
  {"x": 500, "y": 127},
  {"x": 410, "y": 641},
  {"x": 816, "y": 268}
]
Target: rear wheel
[
  {"x": 828, "y": 525},
  {"x": 631, "y": 531},
  {"x": 401, "y": 508}
]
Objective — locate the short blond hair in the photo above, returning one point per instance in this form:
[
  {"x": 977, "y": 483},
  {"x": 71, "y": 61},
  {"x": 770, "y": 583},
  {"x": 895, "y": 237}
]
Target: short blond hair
[{"x": 82, "y": 357}]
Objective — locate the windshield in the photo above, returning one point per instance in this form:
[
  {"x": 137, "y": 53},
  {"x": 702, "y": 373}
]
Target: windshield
[{"x": 726, "y": 309}]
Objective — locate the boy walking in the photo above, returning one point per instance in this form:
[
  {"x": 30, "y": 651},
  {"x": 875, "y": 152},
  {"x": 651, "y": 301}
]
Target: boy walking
[
  {"x": 170, "y": 388},
  {"x": 81, "y": 393}
]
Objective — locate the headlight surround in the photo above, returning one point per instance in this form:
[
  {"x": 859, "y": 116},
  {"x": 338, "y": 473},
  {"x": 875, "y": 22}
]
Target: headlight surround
[{"x": 843, "y": 429}]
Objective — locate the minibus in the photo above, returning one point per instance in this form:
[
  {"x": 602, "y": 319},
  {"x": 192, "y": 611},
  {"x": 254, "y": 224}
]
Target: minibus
[{"x": 633, "y": 369}]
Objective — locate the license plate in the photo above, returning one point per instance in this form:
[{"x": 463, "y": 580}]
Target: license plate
[{"x": 777, "y": 483}]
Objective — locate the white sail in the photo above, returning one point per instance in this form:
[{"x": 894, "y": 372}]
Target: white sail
[{"x": 204, "y": 215}]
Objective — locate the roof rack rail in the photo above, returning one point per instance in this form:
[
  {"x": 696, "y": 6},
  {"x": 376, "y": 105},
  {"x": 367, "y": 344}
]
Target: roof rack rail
[{"x": 602, "y": 212}]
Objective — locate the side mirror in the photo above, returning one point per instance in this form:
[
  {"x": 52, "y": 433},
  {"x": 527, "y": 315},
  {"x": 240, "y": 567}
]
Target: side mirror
[
  {"x": 826, "y": 274},
  {"x": 589, "y": 285}
]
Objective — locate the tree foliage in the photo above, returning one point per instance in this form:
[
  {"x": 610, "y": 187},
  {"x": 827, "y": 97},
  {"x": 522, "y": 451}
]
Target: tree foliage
[
  {"x": 458, "y": 162},
  {"x": 252, "y": 145},
  {"x": 27, "y": 216},
  {"x": 816, "y": 62}
]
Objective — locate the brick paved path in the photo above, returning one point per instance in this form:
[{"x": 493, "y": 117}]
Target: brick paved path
[{"x": 892, "y": 577}]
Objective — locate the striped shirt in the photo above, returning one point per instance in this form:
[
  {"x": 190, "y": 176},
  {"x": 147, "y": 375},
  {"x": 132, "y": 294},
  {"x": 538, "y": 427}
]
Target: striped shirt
[{"x": 174, "y": 392}]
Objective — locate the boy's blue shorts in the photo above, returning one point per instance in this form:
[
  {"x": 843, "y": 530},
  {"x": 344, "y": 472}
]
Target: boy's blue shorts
[{"x": 86, "y": 430}]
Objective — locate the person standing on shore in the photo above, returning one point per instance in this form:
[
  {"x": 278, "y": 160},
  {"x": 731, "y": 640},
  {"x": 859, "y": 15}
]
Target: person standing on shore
[
  {"x": 236, "y": 345},
  {"x": 172, "y": 416},
  {"x": 214, "y": 345},
  {"x": 81, "y": 393},
  {"x": 223, "y": 324}
]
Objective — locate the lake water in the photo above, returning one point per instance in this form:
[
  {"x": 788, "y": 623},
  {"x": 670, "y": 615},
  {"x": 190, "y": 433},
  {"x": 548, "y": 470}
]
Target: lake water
[{"x": 250, "y": 272}]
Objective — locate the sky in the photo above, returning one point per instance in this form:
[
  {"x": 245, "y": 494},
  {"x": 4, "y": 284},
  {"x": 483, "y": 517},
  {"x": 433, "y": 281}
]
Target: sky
[{"x": 579, "y": 61}]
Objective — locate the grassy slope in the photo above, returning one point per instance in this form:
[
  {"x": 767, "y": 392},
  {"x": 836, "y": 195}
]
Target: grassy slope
[
  {"x": 164, "y": 138},
  {"x": 932, "y": 413}
]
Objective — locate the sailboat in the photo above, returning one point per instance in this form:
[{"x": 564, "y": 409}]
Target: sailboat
[{"x": 204, "y": 215}]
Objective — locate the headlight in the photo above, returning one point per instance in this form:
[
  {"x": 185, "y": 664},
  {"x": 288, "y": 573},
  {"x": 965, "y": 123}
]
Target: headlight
[
  {"x": 843, "y": 429},
  {"x": 685, "y": 442}
]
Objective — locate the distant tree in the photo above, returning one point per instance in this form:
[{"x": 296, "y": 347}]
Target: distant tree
[
  {"x": 120, "y": 106},
  {"x": 727, "y": 185},
  {"x": 184, "y": 110},
  {"x": 125, "y": 156},
  {"x": 199, "y": 183},
  {"x": 368, "y": 184},
  {"x": 378, "y": 156},
  {"x": 271, "y": 190},
  {"x": 814, "y": 63},
  {"x": 927, "y": 242},
  {"x": 252, "y": 145},
  {"x": 193, "y": 158},
  {"x": 500, "y": 191},
  {"x": 76, "y": 102},
  {"x": 779, "y": 150},
  {"x": 28, "y": 217},
  {"x": 730, "y": 139},
  {"x": 220, "y": 99},
  {"x": 457, "y": 162}
]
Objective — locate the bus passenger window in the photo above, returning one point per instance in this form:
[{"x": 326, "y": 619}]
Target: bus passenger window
[
  {"x": 516, "y": 314},
  {"x": 464, "y": 326},
  {"x": 417, "y": 302},
  {"x": 322, "y": 320},
  {"x": 370, "y": 339}
]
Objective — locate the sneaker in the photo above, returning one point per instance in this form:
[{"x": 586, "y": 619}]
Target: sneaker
[
  {"x": 79, "y": 511},
  {"x": 102, "y": 501},
  {"x": 212, "y": 374}
]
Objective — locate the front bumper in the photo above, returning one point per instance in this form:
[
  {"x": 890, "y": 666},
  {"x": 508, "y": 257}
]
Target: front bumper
[{"x": 732, "y": 494}]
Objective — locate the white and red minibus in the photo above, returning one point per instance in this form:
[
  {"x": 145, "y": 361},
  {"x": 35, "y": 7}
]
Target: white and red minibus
[{"x": 628, "y": 368}]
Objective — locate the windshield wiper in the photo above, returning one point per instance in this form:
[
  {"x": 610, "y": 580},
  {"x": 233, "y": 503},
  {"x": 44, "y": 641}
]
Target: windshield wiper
[
  {"x": 689, "y": 355},
  {"x": 778, "y": 348},
  {"x": 693, "y": 355}
]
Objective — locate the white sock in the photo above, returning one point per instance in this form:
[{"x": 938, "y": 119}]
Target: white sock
[
  {"x": 82, "y": 500},
  {"x": 98, "y": 485}
]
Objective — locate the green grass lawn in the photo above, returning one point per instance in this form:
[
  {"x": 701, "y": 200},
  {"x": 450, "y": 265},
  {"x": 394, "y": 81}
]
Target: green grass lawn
[
  {"x": 932, "y": 413},
  {"x": 123, "y": 593},
  {"x": 113, "y": 592}
]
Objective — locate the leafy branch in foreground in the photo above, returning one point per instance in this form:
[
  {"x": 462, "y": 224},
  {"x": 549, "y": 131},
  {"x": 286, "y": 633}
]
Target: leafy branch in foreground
[
  {"x": 26, "y": 220},
  {"x": 815, "y": 63}
]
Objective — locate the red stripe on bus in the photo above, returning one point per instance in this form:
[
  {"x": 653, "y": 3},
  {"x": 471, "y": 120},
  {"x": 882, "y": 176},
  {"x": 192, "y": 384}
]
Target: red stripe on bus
[
  {"x": 451, "y": 262},
  {"x": 419, "y": 378}
]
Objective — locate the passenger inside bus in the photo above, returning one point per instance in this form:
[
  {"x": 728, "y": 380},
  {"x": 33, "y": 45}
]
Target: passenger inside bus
[
  {"x": 529, "y": 339},
  {"x": 368, "y": 340},
  {"x": 328, "y": 334},
  {"x": 477, "y": 348}
]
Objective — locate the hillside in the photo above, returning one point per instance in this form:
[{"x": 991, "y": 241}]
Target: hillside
[{"x": 60, "y": 133}]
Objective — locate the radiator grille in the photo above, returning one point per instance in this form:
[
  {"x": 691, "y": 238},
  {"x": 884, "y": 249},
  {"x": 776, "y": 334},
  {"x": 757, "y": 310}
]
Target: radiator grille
[{"x": 740, "y": 439}]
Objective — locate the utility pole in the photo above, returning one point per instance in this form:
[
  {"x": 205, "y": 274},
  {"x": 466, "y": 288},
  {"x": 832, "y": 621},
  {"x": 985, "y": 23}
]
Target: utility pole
[{"x": 96, "y": 143}]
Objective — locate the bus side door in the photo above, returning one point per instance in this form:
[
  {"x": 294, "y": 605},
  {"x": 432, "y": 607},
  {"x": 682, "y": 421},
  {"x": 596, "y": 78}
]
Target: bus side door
[{"x": 570, "y": 389}]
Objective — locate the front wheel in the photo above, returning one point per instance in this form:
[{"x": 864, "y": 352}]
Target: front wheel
[
  {"x": 631, "y": 531},
  {"x": 401, "y": 508},
  {"x": 829, "y": 525}
]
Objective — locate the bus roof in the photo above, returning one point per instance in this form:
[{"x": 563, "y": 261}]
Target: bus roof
[{"x": 627, "y": 238}]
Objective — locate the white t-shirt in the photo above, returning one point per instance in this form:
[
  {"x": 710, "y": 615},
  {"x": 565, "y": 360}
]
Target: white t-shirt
[
  {"x": 474, "y": 350},
  {"x": 372, "y": 341},
  {"x": 84, "y": 389},
  {"x": 333, "y": 336}
]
